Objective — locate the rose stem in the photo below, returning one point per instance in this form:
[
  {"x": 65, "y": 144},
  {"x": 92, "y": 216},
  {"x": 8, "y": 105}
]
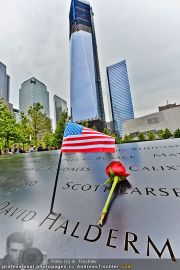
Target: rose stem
[{"x": 105, "y": 209}]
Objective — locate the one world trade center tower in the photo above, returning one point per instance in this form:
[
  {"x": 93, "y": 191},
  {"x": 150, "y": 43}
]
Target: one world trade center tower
[{"x": 86, "y": 91}]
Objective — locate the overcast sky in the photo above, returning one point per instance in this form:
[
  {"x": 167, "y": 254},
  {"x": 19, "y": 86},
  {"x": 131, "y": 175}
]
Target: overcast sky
[{"x": 34, "y": 41}]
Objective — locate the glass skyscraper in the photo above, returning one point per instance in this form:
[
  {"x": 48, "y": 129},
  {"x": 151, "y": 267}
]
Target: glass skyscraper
[
  {"x": 4, "y": 83},
  {"x": 60, "y": 105},
  {"x": 32, "y": 92},
  {"x": 86, "y": 92},
  {"x": 120, "y": 95}
]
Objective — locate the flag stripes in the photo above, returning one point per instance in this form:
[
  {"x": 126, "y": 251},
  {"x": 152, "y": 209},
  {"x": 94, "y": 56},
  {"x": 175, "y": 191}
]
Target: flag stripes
[{"x": 81, "y": 139}]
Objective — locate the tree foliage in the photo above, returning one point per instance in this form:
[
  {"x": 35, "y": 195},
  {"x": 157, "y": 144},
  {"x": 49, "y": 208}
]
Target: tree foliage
[
  {"x": 166, "y": 134},
  {"x": 177, "y": 133},
  {"x": 127, "y": 139},
  {"x": 24, "y": 129},
  {"x": 7, "y": 125},
  {"x": 160, "y": 134},
  {"x": 59, "y": 132},
  {"x": 36, "y": 128},
  {"x": 118, "y": 140},
  {"x": 48, "y": 139},
  {"x": 85, "y": 123},
  {"x": 39, "y": 122},
  {"x": 151, "y": 136},
  {"x": 107, "y": 131},
  {"x": 141, "y": 136}
]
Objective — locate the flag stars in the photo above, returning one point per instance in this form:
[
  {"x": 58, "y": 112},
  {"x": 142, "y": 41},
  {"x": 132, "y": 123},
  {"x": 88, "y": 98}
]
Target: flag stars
[{"x": 73, "y": 129}]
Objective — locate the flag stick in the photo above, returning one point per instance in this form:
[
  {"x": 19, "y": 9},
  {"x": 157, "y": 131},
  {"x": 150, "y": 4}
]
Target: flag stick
[{"x": 55, "y": 184}]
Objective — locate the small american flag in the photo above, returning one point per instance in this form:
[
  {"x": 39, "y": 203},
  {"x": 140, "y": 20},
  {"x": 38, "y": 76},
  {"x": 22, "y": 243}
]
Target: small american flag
[{"x": 81, "y": 139}]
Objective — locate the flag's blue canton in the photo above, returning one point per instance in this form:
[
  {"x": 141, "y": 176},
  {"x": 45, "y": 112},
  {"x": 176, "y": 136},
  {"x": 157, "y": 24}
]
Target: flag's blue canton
[{"x": 72, "y": 129}]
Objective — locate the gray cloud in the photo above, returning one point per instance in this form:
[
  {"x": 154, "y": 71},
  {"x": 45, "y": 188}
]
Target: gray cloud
[{"x": 35, "y": 42}]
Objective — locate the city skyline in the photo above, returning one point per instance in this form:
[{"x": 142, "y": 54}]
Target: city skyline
[{"x": 35, "y": 43}]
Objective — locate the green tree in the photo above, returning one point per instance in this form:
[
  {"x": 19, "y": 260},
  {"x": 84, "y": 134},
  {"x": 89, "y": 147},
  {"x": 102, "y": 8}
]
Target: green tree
[
  {"x": 48, "y": 139},
  {"x": 107, "y": 131},
  {"x": 85, "y": 123},
  {"x": 167, "y": 134},
  {"x": 94, "y": 127},
  {"x": 160, "y": 134},
  {"x": 118, "y": 140},
  {"x": 177, "y": 133},
  {"x": 40, "y": 123},
  {"x": 8, "y": 131},
  {"x": 151, "y": 136},
  {"x": 59, "y": 132},
  {"x": 141, "y": 136},
  {"x": 24, "y": 130},
  {"x": 127, "y": 138},
  {"x": 1, "y": 146}
]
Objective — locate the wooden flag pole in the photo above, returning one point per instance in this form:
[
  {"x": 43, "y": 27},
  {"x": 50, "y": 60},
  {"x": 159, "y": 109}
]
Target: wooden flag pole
[{"x": 55, "y": 184}]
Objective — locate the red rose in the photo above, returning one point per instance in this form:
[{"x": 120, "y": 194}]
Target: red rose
[{"x": 116, "y": 168}]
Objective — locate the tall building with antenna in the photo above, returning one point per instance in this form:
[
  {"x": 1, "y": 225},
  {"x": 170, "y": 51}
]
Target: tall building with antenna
[{"x": 86, "y": 90}]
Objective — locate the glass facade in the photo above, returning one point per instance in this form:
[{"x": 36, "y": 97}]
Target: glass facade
[
  {"x": 17, "y": 115},
  {"x": 60, "y": 105},
  {"x": 86, "y": 92},
  {"x": 120, "y": 95},
  {"x": 31, "y": 92},
  {"x": 4, "y": 83}
]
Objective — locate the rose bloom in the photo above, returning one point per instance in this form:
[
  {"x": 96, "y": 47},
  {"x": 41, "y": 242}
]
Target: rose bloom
[{"x": 116, "y": 168}]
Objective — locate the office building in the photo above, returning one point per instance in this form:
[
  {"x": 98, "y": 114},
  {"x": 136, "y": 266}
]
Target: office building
[
  {"x": 166, "y": 118},
  {"x": 86, "y": 92},
  {"x": 17, "y": 115},
  {"x": 121, "y": 107},
  {"x": 32, "y": 92},
  {"x": 60, "y": 105},
  {"x": 4, "y": 83}
]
